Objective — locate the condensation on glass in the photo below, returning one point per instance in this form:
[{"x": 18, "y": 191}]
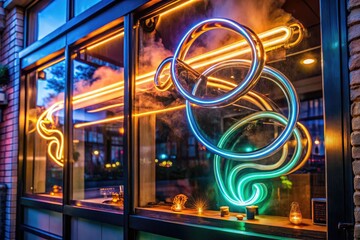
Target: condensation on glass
[
  {"x": 97, "y": 118},
  {"x": 173, "y": 161}
]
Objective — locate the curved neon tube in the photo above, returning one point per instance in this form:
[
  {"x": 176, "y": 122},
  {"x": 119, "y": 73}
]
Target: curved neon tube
[
  {"x": 256, "y": 65},
  {"x": 291, "y": 97},
  {"x": 54, "y": 136}
]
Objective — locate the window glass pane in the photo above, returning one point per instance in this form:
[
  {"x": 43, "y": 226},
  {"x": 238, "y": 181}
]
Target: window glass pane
[
  {"x": 254, "y": 164},
  {"x": 98, "y": 147},
  {"x": 44, "y": 131},
  {"x": 81, "y": 5},
  {"x": 45, "y": 17}
]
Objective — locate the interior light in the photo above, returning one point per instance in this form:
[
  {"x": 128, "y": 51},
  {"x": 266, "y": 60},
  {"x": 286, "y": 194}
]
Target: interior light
[
  {"x": 308, "y": 61},
  {"x": 96, "y": 152}
]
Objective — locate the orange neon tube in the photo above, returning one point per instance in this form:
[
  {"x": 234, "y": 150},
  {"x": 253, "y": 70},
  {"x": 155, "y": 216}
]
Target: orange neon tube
[{"x": 274, "y": 38}]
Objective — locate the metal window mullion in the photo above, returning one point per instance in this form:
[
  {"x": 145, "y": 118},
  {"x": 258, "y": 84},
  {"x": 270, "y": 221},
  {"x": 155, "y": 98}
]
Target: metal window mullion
[
  {"x": 129, "y": 80},
  {"x": 67, "y": 142}
]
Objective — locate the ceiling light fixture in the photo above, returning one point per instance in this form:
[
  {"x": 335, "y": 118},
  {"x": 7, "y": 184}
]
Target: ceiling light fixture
[{"x": 308, "y": 61}]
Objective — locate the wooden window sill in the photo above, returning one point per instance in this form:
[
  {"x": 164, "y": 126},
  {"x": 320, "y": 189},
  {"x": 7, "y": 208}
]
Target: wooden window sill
[{"x": 272, "y": 225}]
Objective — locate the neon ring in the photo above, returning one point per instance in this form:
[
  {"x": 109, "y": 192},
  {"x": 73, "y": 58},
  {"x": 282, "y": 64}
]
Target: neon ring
[
  {"x": 167, "y": 83},
  {"x": 256, "y": 66},
  {"x": 292, "y": 100}
]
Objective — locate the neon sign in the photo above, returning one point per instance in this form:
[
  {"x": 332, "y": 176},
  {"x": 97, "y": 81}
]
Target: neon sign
[{"x": 246, "y": 188}]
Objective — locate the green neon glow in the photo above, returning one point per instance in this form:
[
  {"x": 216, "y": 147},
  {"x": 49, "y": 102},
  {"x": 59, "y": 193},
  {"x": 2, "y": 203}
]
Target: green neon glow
[{"x": 233, "y": 187}]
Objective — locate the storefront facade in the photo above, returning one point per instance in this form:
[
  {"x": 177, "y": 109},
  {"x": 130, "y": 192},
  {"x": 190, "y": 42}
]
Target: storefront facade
[{"x": 172, "y": 119}]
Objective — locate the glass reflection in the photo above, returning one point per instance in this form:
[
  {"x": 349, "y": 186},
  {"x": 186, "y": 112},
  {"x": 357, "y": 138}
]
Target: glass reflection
[
  {"x": 44, "y": 132},
  {"x": 97, "y": 151}
]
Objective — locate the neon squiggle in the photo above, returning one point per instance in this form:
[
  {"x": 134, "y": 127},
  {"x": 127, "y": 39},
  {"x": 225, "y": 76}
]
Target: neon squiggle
[
  {"x": 45, "y": 127},
  {"x": 238, "y": 186}
]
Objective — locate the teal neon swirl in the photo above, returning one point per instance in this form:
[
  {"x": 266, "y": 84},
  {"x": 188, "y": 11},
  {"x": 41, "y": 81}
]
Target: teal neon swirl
[{"x": 238, "y": 196}]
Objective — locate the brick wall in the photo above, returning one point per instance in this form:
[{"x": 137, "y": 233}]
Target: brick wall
[
  {"x": 11, "y": 44},
  {"x": 354, "y": 67}
]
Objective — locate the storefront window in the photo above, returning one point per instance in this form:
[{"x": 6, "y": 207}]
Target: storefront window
[
  {"x": 45, "y": 17},
  {"x": 98, "y": 147},
  {"x": 44, "y": 131},
  {"x": 81, "y": 6},
  {"x": 229, "y": 145}
]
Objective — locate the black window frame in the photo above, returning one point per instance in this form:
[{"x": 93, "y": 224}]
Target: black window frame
[{"x": 335, "y": 81}]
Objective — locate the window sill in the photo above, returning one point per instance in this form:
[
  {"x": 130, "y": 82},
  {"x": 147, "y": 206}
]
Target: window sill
[
  {"x": 98, "y": 204},
  {"x": 272, "y": 225}
]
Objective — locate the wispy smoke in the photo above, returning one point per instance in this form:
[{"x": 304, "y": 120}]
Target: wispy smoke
[
  {"x": 104, "y": 76},
  {"x": 259, "y": 15},
  {"x": 152, "y": 53}
]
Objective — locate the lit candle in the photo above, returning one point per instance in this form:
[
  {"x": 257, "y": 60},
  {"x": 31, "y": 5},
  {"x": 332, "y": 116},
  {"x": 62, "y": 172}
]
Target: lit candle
[
  {"x": 295, "y": 218},
  {"x": 200, "y": 210},
  {"x": 177, "y": 208},
  {"x": 251, "y": 211},
  {"x": 295, "y": 215}
]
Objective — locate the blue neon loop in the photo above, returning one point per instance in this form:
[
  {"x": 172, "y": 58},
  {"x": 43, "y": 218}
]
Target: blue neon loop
[{"x": 253, "y": 75}]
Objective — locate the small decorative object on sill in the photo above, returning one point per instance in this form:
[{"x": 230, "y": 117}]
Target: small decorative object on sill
[
  {"x": 295, "y": 216},
  {"x": 56, "y": 190},
  {"x": 251, "y": 211},
  {"x": 179, "y": 203},
  {"x": 200, "y": 205},
  {"x": 224, "y": 211},
  {"x": 318, "y": 211},
  {"x": 240, "y": 217}
]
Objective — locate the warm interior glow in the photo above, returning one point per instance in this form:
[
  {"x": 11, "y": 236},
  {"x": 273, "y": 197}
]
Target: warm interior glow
[
  {"x": 105, "y": 108},
  {"x": 176, "y": 8},
  {"x": 105, "y": 40}
]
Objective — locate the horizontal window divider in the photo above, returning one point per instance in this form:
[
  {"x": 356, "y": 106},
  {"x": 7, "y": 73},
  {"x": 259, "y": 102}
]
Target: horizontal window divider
[
  {"x": 40, "y": 233},
  {"x": 192, "y": 231},
  {"x": 114, "y": 218},
  {"x": 41, "y": 204}
]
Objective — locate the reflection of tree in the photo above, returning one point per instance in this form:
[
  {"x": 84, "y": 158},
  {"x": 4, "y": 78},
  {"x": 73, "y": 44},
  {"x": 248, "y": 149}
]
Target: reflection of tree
[{"x": 56, "y": 81}]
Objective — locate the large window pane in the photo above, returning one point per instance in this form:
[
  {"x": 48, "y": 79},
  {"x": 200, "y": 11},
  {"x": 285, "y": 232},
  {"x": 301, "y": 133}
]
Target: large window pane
[
  {"x": 176, "y": 144},
  {"x": 44, "y": 131},
  {"x": 45, "y": 17},
  {"x": 98, "y": 148}
]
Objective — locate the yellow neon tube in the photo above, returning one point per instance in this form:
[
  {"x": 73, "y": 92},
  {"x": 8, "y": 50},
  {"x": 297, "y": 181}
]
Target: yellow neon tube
[
  {"x": 55, "y": 137},
  {"x": 106, "y": 107},
  {"x": 107, "y": 120}
]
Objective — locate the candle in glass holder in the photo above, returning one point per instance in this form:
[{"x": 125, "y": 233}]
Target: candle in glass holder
[
  {"x": 200, "y": 210},
  {"x": 295, "y": 215},
  {"x": 251, "y": 211},
  {"x": 224, "y": 211},
  {"x": 296, "y": 218}
]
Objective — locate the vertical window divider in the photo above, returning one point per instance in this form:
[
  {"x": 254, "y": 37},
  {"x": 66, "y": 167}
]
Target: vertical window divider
[
  {"x": 69, "y": 10},
  {"x": 67, "y": 142},
  {"x": 21, "y": 155},
  {"x": 129, "y": 84},
  {"x": 337, "y": 122}
]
